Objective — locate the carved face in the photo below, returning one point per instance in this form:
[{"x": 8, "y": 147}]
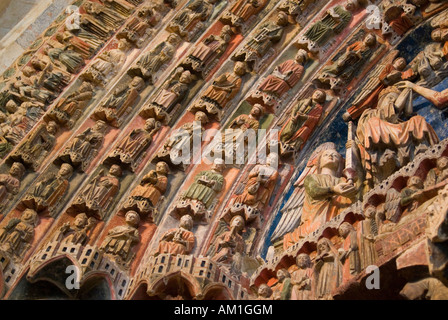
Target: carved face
[
  {"x": 301, "y": 56},
  {"x": 66, "y": 170},
  {"x": 132, "y": 218},
  {"x": 281, "y": 275},
  {"x": 415, "y": 182},
  {"x": 185, "y": 77},
  {"x": 201, "y": 117},
  {"x": 330, "y": 159},
  {"x": 11, "y": 106},
  {"x": 137, "y": 83},
  {"x": 85, "y": 87},
  {"x": 256, "y": 111},
  {"x": 344, "y": 229},
  {"x": 123, "y": 45},
  {"x": 162, "y": 167},
  {"x": 238, "y": 222},
  {"x": 400, "y": 64},
  {"x": 100, "y": 126},
  {"x": 322, "y": 246},
  {"x": 52, "y": 127},
  {"x": 29, "y": 215},
  {"x": 389, "y": 98},
  {"x": 351, "y": 5},
  {"x": 282, "y": 19},
  {"x": 186, "y": 222},
  {"x": 370, "y": 212},
  {"x": 319, "y": 96},
  {"x": 115, "y": 171},
  {"x": 219, "y": 167},
  {"x": 264, "y": 290},
  {"x": 370, "y": 40},
  {"x": 272, "y": 160},
  {"x": 150, "y": 124},
  {"x": 16, "y": 170},
  {"x": 28, "y": 71},
  {"x": 172, "y": 39},
  {"x": 240, "y": 68},
  {"x": 80, "y": 220},
  {"x": 442, "y": 163},
  {"x": 303, "y": 260}
]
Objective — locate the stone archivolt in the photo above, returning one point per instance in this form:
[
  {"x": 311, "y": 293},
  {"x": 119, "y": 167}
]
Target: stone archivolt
[{"x": 91, "y": 114}]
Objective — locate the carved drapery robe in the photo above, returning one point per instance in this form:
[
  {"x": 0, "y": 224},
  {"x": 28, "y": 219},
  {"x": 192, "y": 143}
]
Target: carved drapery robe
[
  {"x": 204, "y": 193},
  {"x": 302, "y": 284},
  {"x": 8, "y": 185},
  {"x": 227, "y": 245},
  {"x": 169, "y": 244},
  {"x": 151, "y": 191},
  {"x": 292, "y": 72}
]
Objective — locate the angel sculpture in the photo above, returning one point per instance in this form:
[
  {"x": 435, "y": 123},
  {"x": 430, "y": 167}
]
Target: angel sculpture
[{"x": 322, "y": 192}]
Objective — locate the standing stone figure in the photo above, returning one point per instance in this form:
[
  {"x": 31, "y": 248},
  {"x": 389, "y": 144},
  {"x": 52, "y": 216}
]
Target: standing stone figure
[
  {"x": 349, "y": 253},
  {"x": 328, "y": 270},
  {"x": 10, "y": 183},
  {"x": 302, "y": 279},
  {"x": 282, "y": 289},
  {"x": 178, "y": 240}
]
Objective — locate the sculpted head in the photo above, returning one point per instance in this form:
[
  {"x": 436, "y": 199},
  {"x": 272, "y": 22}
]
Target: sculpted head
[
  {"x": 415, "y": 181},
  {"x": 11, "y": 106},
  {"x": 186, "y": 77},
  {"x": 186, "y": 222},
  {"x": 388, "y": 96},
  {"x": 17, "y": 170},
  {"x": 132, "y": 218},
  {"x": 282, "y": 274},
  {"x": 66, "y": 170},
  {"x": 323, "y": 246},
  {"x": 256, "y": 111},
  {"x": 100, "y": 126},
  {"x": 442, "y": 163},
  {"x": 301, "y": 56},
  {"x": 370, "y": 211},
  {"x": 303, "y": 261},
  {"x": 319, "y": 96},
  {"x": 264, "y": 290},
  {"x": 351, "y": 5},
  {"x": 439, "y": 36},
  {"x": 28, "y": 71},
  {"x": 344, "y": 229},
  {"x": 123, "y": 44},
  {"x": 282, "y": 19},
  {"x": 272, "y": 160},
  {"x": 115, "y": 170},
  {"x": 240, "y": 68},
  {"x": 150, "y": 124},
  {"x": 173, "y": 39},
  {"x": 80, "y": 220},
  {"x": 162, "y": 168},
  {"x": 138, "y": 83},
  {"x": 237, "y": 222},
  {"x": 370, "y": 40},
  {"x": 218, "y": 165},
  {"x": 29, "y": 216},
  {"x": 330, "y": 159},
  {"x": 399, "y": 64},
  {"x": 86, "y": 87},
  {"x": 52, "y": 127},
  {"x": 201, "y": 117}
]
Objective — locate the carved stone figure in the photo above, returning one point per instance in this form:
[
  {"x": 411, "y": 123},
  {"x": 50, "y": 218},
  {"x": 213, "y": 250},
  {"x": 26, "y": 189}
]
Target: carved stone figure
[
  {"x": 150, "y": 63},
  {"x": 173, "y": 91},
  {"x": 84, "y": 146},
  {"x": 399, "y": 16},
  {"x": 294, "y": 7},
  {"x": 266, "y": 37},
  {"x": 75, "y": 233},
  {"x": 426, "y": 289},
  {"x": 301, "y": 279},
  {"x": 230, "y": 243},
  {"x": 49, "y": 191},
  {"x": 282, "y": 289},
  {"x": 190, "y": 20},
  {"x": 201, "y": 194},
  {"x": 178, "y": 241},
  {"x": 223, "y": 89},
  {"x": 349, "y": 252},
  {"x": 132, "y": 148},
  {"x": 10, "y": 183},
  {"x": 68, "y": 110},
  {"x": 102, "y": 16},
  {"x": 438, "y": 99},
  {"x": 107, "y": 64},
  {"x": 389, "y": 74},
  {"x": 181, "y": 140},
  {"x": 231, "y": 141},
  {"x": 335, "y": 20},
  {"x": 437, "y": 175},
  {"x": 145, "y": 197},
  {"x": 99, "y": 194},
  {"x": 41, "y": 75},
  {"x": 17, "y": 235},
  {"x": 121, "y": 239},
  {"x": 304, "y": 118},
  {"x": 66, "y": 59},
  {"x": 204, "y": 55},
  {"x": 327, "y": 268},
  {"x": 242, "y": 11},
  {"x": 400, "y": 140},
  {"x": 369, "y": 228},
  {"x": 412, "y": 195},
  {"x": 37, "y": 146},
  {"x": 284, "y": 77},
  {"x": 137, "y": 27},
  {"x": 120, "y": 103},
  {"x": 342, "y": 70},
  {"x": 258, "y": 189}
]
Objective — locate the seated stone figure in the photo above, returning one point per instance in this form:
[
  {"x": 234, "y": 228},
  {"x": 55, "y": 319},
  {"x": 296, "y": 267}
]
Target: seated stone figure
[
  {"x": 66, "y": 59},
  {"x": 302, "y": 121},
  {"x": 178, "y": 241},
  {"x": 342, "y": 70},
  {"x": 223, "y": 89},
  {"x": 176, "y": 151},
  {"x": 83, "y": 148},
  {"x": 120, "y": 103},
  {"x": 98, "y": 195},
  {"x": 190, "y": 20},
  {"x": 201, "y": 194},
  {"x": 37, "y": 146},
  {"x": 151, "y": 62},
  {"x": 257, "y": 191},
  {"x": 121, "y": 239},
  {"x": 16, "y": 236},
  {"x": 49, "y": 191},
  {"x": 69, "y": 109},
  {"x": 266, "y": 37},
  {"x": 284, "y": 77},
  {"x": 145, "y": 198},
  {"x": 204, "y": 55},
  {"x": 131, "y": 149},
  {"x": 173, "y": 92},
  {"x": 76, "y": 232},
  {"x": 242, "y": 11},
  {"x": 107, "y": 64},
  {"x": 294, "y": 7},
  {"x": 10, "y": 183}
]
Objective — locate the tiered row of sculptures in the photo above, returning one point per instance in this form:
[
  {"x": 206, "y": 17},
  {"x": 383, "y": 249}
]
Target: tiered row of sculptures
[{"x": 93, "y": 124}]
